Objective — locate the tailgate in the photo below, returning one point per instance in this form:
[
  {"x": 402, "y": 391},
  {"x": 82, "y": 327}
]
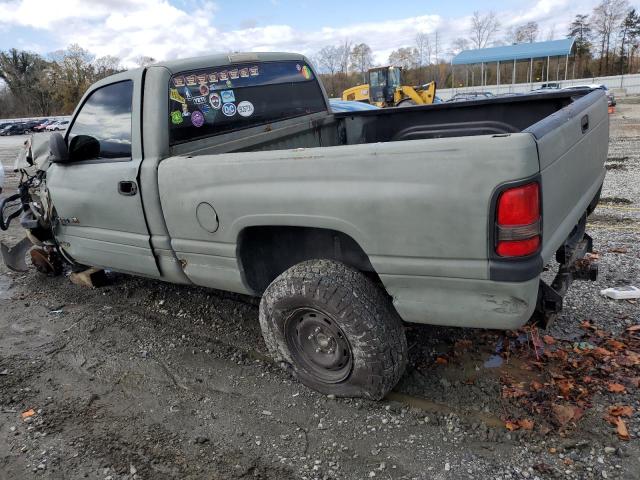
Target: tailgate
[{"x": 572, "y": 148}]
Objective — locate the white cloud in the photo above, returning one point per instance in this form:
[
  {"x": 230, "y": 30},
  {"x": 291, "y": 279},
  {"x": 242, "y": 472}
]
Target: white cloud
[{"x": 130, "y": 28}]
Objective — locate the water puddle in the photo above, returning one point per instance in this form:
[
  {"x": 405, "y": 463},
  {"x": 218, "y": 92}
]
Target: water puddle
[{"x": 434, "y": 407}]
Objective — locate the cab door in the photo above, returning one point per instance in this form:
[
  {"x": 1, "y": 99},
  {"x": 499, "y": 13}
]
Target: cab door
[{"x": 96, "y": 194}]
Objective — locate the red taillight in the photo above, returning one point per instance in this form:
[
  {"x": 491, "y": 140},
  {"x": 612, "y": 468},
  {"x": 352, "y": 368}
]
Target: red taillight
[
  {"x": 518, "y": 221},
  {"x": 520, "y": 205}
]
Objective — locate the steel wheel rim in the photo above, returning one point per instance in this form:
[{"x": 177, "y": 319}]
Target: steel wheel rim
[{"x": 318, "y": 344}]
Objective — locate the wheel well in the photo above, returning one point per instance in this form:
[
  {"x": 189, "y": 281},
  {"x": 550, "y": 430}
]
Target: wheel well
[{"x": 265, "y": 252}]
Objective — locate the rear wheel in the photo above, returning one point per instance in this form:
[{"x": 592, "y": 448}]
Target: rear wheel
[{"x": 335, "y": 329}]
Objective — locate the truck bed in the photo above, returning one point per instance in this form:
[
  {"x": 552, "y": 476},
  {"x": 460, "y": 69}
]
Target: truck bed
[{"x": 496, "y": 116}]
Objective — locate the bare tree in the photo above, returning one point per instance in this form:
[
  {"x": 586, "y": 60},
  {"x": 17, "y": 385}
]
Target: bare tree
[
  {"x": 361, "y": 58},
  {"x": 483, "y": 28},
  {"x": 526, "y": 33},
  {"x": 329, "y": 59},
  {"x": 459, "y": 45},
  {"x": 405, "y": 57},
  {"x": 606, "y": 17},
  {"x": 423, "y": 48},
  {"x": 105, "y": 66}
]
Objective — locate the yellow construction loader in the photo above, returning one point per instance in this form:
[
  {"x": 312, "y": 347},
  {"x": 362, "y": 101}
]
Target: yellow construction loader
[{"x": 385, "y": 89}]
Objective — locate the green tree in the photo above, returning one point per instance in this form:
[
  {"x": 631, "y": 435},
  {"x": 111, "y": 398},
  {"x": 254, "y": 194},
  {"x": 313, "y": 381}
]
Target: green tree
[
  {"x": 580, "y": 29},
  {"x": 23, "y": 72}
]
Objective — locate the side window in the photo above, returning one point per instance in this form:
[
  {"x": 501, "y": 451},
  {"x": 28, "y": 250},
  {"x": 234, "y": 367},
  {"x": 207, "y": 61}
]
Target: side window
[{"x": 102, "y": 128}]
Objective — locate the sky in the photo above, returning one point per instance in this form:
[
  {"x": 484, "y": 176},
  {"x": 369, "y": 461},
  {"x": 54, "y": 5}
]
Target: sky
[{"x": 169, "y": 29}]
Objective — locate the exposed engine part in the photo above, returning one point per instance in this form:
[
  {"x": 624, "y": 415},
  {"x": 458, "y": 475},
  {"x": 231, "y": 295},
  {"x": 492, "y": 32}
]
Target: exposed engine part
[{"x": 47, "y": 261}]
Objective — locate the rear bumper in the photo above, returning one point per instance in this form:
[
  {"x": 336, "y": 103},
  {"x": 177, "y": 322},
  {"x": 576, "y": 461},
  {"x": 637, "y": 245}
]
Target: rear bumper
[{"x": 463, "y": 302}]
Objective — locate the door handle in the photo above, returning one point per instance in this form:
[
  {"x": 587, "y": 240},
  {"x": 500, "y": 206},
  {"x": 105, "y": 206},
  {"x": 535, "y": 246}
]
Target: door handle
[
  {"x": 584, "y": 123},
  {"x": 127, "y": 188}
]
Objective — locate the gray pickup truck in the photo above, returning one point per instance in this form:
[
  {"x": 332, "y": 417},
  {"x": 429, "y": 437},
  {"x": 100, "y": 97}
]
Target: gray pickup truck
[{"x": 232, "y": 172}]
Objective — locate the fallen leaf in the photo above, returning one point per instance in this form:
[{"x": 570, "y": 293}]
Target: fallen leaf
[
  {"x": 633, "y": 328},
  {"x": 563, "y": 413},
  {"x": 565, "y": 386},
  {"x": 601, "y": 352},
  {"x": 616, "y": 345},
  {"x": 615, "y": 387},
  {"x": 621, "y": 428},
  {"x": 526, "y": 424},
  {"x": 549, "y": 340},
  {"x": 29, "y": 413},
  {"x": 535, "y": 385},
  {"x": 441, "y": 361},
  {"x": 621, "y": 411},
  {"x": 553, "y": 450},
  {"x": 511, "y": 426}
]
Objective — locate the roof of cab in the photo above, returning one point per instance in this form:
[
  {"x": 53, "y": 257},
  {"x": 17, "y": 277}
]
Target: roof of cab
[{"x": 218, "y": 60}]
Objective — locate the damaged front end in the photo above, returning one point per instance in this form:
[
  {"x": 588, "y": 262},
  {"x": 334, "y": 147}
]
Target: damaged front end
[{"x": 31, "y": 206}]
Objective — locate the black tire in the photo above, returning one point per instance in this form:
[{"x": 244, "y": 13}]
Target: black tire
[
  {"x": 318, "y": 313},
  {"x": 407, "y": 102}
]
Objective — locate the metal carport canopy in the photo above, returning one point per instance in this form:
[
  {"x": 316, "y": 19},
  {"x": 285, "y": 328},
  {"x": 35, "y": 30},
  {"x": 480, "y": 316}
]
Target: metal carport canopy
[{"x": 552, "y": 48}]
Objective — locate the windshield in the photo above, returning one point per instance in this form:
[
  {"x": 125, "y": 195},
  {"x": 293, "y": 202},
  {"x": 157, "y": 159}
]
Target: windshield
[
  {"x": 394, "y": 77},
  {"x": 212, "y": 101}
]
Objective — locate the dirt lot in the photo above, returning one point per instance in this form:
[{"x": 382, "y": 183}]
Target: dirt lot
[{"x": 142, "y": 379}]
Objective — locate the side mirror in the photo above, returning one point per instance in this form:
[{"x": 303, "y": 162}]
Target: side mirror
[
  {"x": 83, "y": 147},
  {"x": 59, "y": 153}
]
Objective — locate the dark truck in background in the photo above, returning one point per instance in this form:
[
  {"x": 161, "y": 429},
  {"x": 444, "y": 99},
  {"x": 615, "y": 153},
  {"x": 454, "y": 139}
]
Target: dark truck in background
[{"x": 232, "y": 172}]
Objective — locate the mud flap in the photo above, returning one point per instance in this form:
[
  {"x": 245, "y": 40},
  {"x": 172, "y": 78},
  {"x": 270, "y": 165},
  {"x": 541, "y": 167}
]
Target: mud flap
[{"x": 15, "y": 258}]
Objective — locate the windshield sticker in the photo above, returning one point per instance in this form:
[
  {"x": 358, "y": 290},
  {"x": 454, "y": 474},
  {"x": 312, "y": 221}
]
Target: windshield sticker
[
  {"x": 213, "y": 77},
  {"x": 190, "y": 79},
  {"x": 187, "y": 93},
  {"x": 298, "y": 67},
  {"x": 176, "y": 117},
  {"x": 253, "y": 71},
  {"x": 215, "y": 101},
  {"x": 223, "y": 76},
  {"x": 202, "y": 78},
  {"x": 227, "y": 96},
  {"x": 233, "y": 74},
  {"x": 245, "y": 108},
  {"x": 174, "y": 95},
  {"x": 229, "y": 109},
  {"x": 178, "y": 81},
  {"x": 306, "y": 72},
  {"x": 244, "y": 72},
  {"x": 197, "y": 118},
  {"x": 204, "y": 90},
  {"x": 185, "y": 110}
]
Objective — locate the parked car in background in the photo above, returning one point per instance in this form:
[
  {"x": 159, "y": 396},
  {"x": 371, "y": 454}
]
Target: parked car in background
[
  {"x": 15, "y": 129},
  {"x": 59, "y": 125},
  {"x": 465, "y": 97},
  {"x": 611, "y": 99},
  {"x": 30, "y": 124},
  {"x": 4, "y": 125},
  {"x": 40, "y": 126}
]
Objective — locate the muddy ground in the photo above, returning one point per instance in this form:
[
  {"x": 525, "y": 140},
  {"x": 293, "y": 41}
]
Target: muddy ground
[{"x": 142, "y": 379}]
